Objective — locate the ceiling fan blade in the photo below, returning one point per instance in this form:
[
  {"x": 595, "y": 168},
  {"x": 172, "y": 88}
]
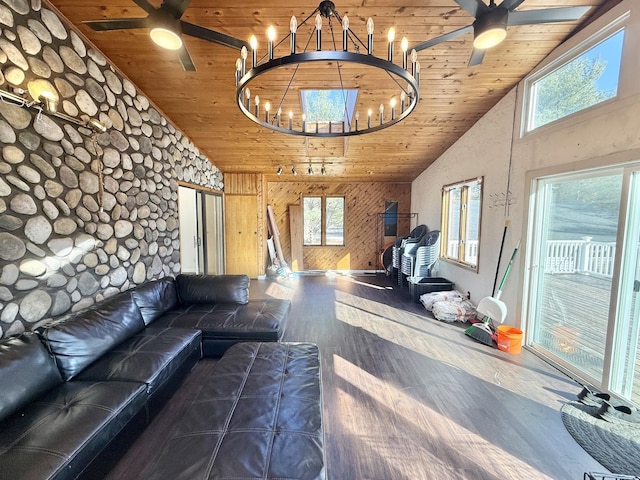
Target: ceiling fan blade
[
  {"x": 212, "y": 36},
  {"x": 443, "y": 38},
  {"x": 117, "y": 24},
  {"x": 547, "y": 15},
  {"x": 477, "y": 56},
  {"x": 146, "y": 6},
  {"x": 185, "y": 60},
  {"x": 474, "y": 7},
  {"x": 511, "y": 4},
  {"x": 176, "y": 7}
]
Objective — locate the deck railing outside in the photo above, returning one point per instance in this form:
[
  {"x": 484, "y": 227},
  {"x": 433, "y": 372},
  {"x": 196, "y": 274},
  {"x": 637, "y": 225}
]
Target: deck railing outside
[
  {"x": 580, "y": 256},
  {"x": 563, "y": 256},
  {"x": 470, "y": 252}
]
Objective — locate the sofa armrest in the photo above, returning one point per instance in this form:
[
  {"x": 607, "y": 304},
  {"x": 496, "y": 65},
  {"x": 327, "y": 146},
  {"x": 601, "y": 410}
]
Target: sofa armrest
[{"x": 195, "y": 289}]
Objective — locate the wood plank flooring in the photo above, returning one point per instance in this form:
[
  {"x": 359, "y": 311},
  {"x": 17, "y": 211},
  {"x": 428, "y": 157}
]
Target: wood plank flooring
[{"x": 408, "y": 397}]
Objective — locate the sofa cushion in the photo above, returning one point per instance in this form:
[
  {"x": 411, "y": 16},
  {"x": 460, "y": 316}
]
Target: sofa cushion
[
  {"x": 58, "y": 435},
  {"x": 212, "y": 288},
  {"x": 156, "y": 297},
  {"x": 27, "y": 371},
  {"x": 260, "y": 416},
  {"x": 151, "y": 357},
  {"x": 258, "y": 320},
  {"x": 79, "y": 340}
]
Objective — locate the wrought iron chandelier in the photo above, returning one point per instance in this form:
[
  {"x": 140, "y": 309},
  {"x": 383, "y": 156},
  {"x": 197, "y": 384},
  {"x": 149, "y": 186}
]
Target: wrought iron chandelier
[{"x": 271, "y": 113}]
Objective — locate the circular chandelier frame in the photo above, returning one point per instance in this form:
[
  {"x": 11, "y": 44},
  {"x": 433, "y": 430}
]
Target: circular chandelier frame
[{"x": 356, "y": 126}]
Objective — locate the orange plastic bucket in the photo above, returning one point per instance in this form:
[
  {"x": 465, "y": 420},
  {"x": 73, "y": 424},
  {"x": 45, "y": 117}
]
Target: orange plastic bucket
[{"x": 509, "y": 339}]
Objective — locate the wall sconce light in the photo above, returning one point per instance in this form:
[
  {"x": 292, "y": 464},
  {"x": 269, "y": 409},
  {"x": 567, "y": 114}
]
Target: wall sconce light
[
  {"x": 309, "y": 170},
  {"x": 45, "y": 98},
  {"x": 294, "y": 171},
  {"x": 44, "y": 92},
  {"x": 323, "y": 171},
  {"x": 279, "y": 171}
]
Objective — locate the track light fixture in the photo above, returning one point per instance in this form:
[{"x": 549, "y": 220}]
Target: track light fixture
[{"x": 44, "y": 99}]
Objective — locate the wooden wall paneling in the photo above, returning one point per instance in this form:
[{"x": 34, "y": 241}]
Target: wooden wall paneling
[
  {"x": 242, "y": 183},
  {"x": 363, "y": 202},
  {"x": 296, "y": 228}
]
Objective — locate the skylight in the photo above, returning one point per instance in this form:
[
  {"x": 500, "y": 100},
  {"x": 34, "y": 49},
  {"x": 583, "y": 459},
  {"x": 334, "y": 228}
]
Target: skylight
[{"x": 334, "y": 106}]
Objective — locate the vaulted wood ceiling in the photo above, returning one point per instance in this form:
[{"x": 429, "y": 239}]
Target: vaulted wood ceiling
[{"x": 453, "y": 96}]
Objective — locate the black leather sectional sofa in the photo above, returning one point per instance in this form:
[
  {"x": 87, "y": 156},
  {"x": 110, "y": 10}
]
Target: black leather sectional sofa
[{"x": 76, "y": 393}]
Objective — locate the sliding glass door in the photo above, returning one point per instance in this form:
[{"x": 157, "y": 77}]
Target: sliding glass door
[
  {"x": 201, "y": 231},
  {"x": 625, "y": 377},
  {"x": 584, "y": 276}
]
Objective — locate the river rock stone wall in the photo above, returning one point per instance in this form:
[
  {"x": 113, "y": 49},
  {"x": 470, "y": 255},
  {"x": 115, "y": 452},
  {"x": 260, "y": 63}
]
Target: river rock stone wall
[{"x": 68, "y": 239}]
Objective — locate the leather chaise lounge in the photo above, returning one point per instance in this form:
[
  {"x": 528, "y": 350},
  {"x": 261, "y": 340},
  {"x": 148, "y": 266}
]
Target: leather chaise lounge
[{"x": 77, "y": 392}]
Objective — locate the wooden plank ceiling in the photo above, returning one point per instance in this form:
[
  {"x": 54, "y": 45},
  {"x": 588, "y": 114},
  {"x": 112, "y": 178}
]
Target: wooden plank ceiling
[{"x": 453, "y": 96}]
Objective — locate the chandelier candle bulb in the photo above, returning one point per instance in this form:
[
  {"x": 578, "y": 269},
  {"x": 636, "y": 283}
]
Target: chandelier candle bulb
[
  {"x": 369, "y": 118},
  {"x": 278, "y": 115},
  {"x": 267, "y": 107},
  {"x": 404, "y": 45},
  {"x": 381, "y": 109},
  {"x": 318, "y": 32},
  {"x": 403, "y": 98},
  {"x": 247, "y": 94},
  {"x": 370, "y": 29},
  {"x": 253, "y": 42},
  {"x": 414, "y": 60},
  {"x": 290, "y": 120},
  {"x": 271, "y": 36},
  {"x": 393, "y": 108},
  {"x": 345, "y": 33},
  {"x": 357, "y": 117},
  {"x": 304, "y": 122},
  {"x": 417, "y": 75},
  {"x": 238, "y": 71},
  {"x": 243, "y": 54},
  {"x": 391, "y": 37},
  {"x": 257, "y": 105},
  {"x": 293, "y": 26}
]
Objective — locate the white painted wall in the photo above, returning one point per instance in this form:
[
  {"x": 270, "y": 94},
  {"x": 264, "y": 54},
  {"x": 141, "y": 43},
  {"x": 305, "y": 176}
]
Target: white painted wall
[{"x": 605, "y": 134}]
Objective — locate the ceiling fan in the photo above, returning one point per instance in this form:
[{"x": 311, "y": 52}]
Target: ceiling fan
[
  {"x": 491, "y": 22},
  {"x": 167, "y": 28}
]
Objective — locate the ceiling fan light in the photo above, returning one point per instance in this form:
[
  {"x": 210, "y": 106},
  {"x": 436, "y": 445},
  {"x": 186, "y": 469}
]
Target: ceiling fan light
[
  {"x": 166, "y": 38},
  {"x": 489, "y": 38},
  {"x": 490, "y": 29}
]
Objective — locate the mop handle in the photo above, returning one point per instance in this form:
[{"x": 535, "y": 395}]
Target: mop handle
[{"x": 506, "y": 272}]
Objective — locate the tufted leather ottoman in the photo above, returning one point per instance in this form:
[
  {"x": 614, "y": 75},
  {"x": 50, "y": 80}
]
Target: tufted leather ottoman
[{"x": 259, "y": 417}]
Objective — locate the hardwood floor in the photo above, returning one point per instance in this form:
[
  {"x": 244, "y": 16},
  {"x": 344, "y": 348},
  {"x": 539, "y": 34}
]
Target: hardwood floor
[{"x": 408, "y": 397}]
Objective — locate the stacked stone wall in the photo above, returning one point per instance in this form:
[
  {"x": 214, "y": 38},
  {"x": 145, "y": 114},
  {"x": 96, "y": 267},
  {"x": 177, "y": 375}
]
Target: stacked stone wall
[{"x": 82, "y": 217}]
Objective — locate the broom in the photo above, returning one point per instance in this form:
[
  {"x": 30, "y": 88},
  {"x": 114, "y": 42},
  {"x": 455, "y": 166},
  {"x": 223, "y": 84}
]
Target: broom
[{"x": 492, "y": 309}]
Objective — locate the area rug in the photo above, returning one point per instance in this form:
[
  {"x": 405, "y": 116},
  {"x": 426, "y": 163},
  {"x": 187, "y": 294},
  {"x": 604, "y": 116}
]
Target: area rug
[{"x": 615, "y": 445}]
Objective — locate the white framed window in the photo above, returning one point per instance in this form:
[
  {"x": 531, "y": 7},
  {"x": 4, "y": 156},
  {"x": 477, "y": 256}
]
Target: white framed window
[
  {"x": 323, "y": 220},
  {"x": 461, "y": 214},
  {"x": 585, "y": 76}
]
